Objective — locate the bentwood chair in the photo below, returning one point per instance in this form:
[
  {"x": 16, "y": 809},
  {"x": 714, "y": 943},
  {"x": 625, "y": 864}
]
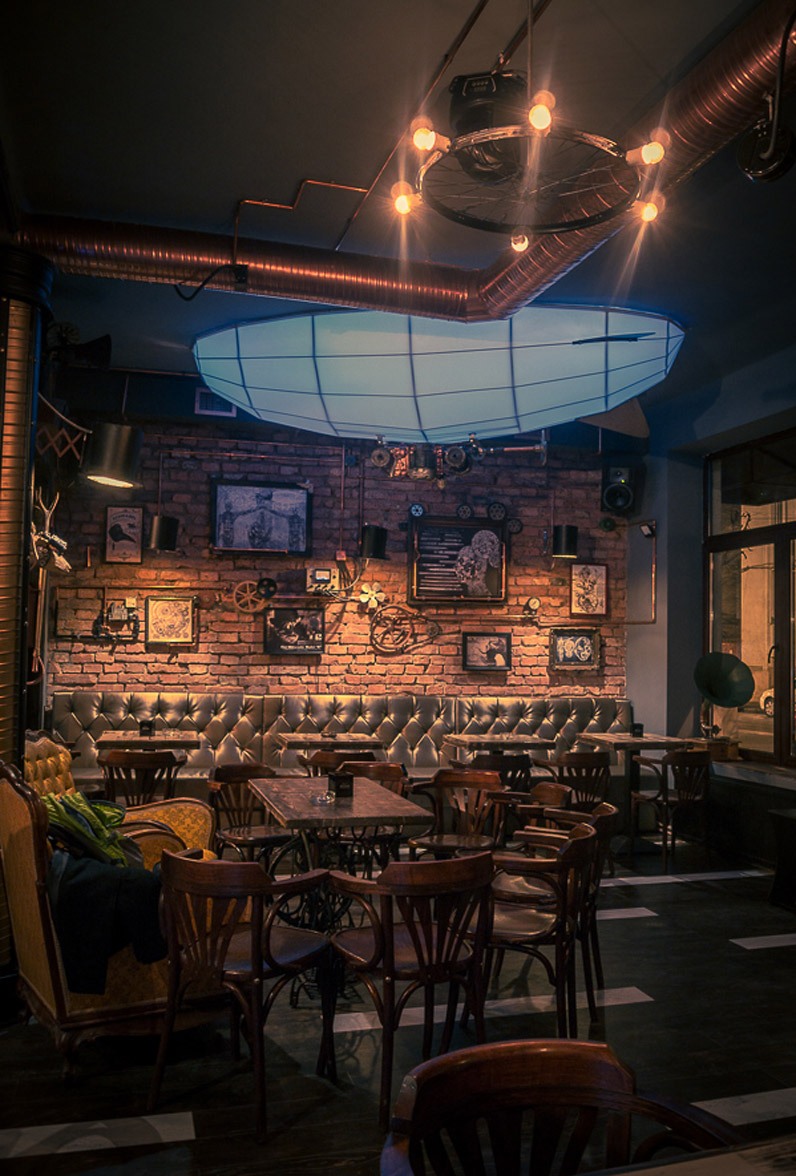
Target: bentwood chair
[
  {"x": 242, "y": 825},
  {"x": 536, "y": 1108},
  {"x": 320, "y": 763},
  {"x": 587, "y": 773},
  {"x": 424, "y": 925},
  {"x": 604, "y": 819},
  {"x": 136, "y": 776},
  {"x": 228, "y": 940},
  {"x": 515, "y": 771},
  {"x": 538, "y": 900},
  {"x": 464, "y": 819},
  {"x": 381, "y": 844},
  {"x": 682, "y": 779}
]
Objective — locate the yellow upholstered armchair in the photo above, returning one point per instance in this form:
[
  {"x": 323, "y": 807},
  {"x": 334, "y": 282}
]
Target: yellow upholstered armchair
[
  {"x": 47, "y": 765},
  {"x": 135, "y": 994}
]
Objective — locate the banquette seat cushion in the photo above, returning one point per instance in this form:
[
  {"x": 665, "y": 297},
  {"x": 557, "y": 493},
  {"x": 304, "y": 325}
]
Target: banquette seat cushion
[{"x": 237, "y": 727}]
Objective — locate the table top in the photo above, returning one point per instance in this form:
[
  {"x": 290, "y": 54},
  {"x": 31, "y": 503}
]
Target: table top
[
  {"x": 166, "y": 740},
  {"x": 504, "y": 742},
  {"x": 316, "y": 741},
  {"x": 290, "y": 799},
  {"x": 624, "y": 741}
]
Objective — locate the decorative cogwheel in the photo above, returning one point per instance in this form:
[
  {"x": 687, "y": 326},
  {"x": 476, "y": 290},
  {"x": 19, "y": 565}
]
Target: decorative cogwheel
[
  {"x": 392, "y": 629},
  {"x": 247, "y": 597}
]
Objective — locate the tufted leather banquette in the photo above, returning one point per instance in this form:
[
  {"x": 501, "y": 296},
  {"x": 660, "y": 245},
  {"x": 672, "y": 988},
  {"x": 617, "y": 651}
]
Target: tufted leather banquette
[{"x": 239, "y": 726}]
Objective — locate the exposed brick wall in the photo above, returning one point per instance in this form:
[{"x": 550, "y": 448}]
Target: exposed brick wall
[{"x": 229, "y": 647}]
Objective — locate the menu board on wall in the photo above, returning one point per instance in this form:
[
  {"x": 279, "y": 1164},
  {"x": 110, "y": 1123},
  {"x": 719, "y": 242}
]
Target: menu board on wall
[{"x": 451, "y": 560}]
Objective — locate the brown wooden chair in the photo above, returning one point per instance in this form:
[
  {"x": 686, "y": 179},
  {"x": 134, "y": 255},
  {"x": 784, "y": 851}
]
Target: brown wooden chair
[
  {"x": 537, "y": 1108},
  {"x": 227, "y": 941},
  {"x": 242, "y": 819},
  {"x": 381, "y": 844},
  {"x": 320, "y": 763},
  {"x": 587, "y": 773},
  {"x": 515, "y": 770},
  {"x": 604, "y": 819},
  {"x": 682, "y": 779},
  {"x": 538, "y": 899},
  {"x": 464, "y": 819},
  {"x": 135, "y": 777},
  {"x": 424, "y": 926}
]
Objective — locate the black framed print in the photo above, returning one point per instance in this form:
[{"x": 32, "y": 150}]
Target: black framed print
[
  {"x": 486, "y": 651},
  {"x": 123, "y": 534},
  {"x": 257, "y": 516},
  {"x": 294, "y": 631},
  {"x": 588, "y": 590},
  {"x": 170, "y": 620},
  {"x": 460, "y": 560},
  {"x": 574, "y": 649}
]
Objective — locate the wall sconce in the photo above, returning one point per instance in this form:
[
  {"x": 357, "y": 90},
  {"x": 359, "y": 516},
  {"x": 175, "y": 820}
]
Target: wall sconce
[
  {"x": 565, "y": 542},
  {"x": 373, "y": 542},
  {"x": 113, "y": 455},
  {"x": 163, "y": 536}
]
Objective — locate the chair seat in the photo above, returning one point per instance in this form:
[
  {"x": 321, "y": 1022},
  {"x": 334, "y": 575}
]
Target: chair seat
[
  {"x": 451, "y": 843},
  {"x": 520, "y": 887},
  {"x": 293, "y": 948},
  {"x": 519, "y": 924},
  {"x": 252, "y": 835},
  {"x": 356, "y": 946}
]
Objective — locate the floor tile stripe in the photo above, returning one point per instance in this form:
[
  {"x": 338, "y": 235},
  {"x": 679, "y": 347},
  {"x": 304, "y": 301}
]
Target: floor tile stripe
[
  {"x": 760, "y": 1107},
  {"x": 627, "y": 913},
  {"x": 96, "y": 1135},
  {"x": 759, "y": 942},
  {"x": 667, "y": 879},
  {"x": 506, "y": 1007}
]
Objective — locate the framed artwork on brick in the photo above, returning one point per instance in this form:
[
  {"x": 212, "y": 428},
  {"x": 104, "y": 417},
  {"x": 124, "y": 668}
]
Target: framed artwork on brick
[
  {"x": 170, "y": 620},
  {"x": 588, "y": 590},
  {"x": 294, "y": 631},
  {"x": 123, "y": 534},
  {"x": 486, "y": 651},
  {"x": 456, "y": 560},
  {"x": 574, "y": 649},
  {"x": 257, "y": 516}
]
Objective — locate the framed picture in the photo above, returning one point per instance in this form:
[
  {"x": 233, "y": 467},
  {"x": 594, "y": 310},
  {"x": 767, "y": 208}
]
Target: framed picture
[
  {"x": 456, "y": 560},
  {"x": 170, "y": 620},
  {"x": 574, "y": 649},
  {"x": 123, "y": 532},
  {"x": 294, "y": 631},
  {"x": 588, "y": 590},
  {"x": 486, "y": 651},
  {"x": 252, "y": 516}
]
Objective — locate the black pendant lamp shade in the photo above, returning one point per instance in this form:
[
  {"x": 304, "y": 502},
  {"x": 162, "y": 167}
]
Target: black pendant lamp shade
[
  {"x": 164, "y": 533},
  {"x": 373, "y": 542},
  {"x": 565, "y": 542},
  {"x": 114, "y": 454}
]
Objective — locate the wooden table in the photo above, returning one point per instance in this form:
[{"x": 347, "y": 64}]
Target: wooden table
[
  {"x": 316, "y": 741},
  {"x": 170, "y": 739},
  {"x": 630, "y": 745},
  {"x": 508, "y": 741}
]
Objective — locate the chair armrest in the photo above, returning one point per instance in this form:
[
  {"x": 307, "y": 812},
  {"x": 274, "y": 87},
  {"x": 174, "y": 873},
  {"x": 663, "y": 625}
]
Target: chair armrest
[
  {"x": 348, "y": 884},
  {"x": 299, "y": 883}
]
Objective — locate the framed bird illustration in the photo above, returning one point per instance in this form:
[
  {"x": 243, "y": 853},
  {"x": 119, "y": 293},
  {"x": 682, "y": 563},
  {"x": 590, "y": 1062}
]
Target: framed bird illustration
[{"x": 123, "y": 532}]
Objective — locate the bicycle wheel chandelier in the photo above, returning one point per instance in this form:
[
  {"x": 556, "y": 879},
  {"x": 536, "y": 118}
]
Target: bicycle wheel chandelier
[{"x": 509, "y": 166}]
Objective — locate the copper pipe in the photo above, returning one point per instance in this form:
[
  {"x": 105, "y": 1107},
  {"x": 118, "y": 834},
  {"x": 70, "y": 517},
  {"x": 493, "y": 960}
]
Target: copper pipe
[{"x": 718, "y": 100}]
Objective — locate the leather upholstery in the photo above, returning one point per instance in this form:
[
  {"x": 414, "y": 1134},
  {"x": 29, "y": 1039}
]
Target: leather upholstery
[{"x": 240, "y": 727}]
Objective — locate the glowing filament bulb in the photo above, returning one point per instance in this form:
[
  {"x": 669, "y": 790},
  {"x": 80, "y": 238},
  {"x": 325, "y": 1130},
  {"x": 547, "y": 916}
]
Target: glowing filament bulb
[
  {"x": 424, "y": 138},
  {"x": 519, "y": 241},
  {"x": 540, "y": 116},
  {"x": 647, "y": 209},
  {"x": 647, "y": 154},
  {"x": 403, "y": 197}
]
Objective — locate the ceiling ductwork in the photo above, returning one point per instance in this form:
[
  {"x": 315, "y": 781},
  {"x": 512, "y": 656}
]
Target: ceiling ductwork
[{"x": 721, "y": 98}]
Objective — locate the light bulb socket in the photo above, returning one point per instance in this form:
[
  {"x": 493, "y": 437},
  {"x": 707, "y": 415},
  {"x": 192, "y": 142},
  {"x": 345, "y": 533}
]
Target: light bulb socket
[
  {"x": 114, "y": 454},
  {"x": 163, "y": 536},
  {"x": 373, "y": 542},
  {"x": 565, "y": 542}
]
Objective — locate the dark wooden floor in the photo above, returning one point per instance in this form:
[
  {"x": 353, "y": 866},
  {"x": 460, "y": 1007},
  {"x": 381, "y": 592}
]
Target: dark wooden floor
[{"x": 698, "y": 1016}]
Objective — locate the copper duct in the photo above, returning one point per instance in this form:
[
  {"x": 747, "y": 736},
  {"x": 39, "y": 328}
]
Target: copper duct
[{"x": 720, "y": 98}]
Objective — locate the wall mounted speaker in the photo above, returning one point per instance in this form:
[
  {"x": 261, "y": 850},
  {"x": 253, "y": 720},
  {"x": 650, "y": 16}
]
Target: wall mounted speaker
[{"x": 620, "y": 489}]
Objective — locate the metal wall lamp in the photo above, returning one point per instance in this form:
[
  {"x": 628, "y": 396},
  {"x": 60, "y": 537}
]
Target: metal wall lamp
[{"x": 113, "y": 455}]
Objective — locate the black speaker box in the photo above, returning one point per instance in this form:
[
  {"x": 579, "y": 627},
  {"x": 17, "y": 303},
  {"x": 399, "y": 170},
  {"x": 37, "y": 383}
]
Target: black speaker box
[{"x": 621, "y": 490}]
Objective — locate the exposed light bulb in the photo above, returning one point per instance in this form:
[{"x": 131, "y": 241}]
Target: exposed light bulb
[
  {"x": 424, "y": 138},
  {"x": 404, "y": 197},
  {"x": 540, "y": 116},
  {"x": 647, "y": 154},
  {"x": 403, "y": 204},
  {"x": 648, "y": 210},
  {"x": 519, "y": 241}
]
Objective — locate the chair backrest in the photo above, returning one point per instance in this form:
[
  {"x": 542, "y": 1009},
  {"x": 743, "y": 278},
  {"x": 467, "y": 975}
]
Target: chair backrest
[
  {"x": 535, "y": 1107},
  {"x": 550, "y": 793},
  {"x": 47, "y": 764},
  {"x": 190, "y": 818},
  {"x": 515, "y": 771},
  {"x": 319, "y": 763},
  {"x": 603, "y": 818},
  {"x": 464, "y": 793},
  {"x": 565, "y": 870},
  {"x": 689, "y": 772},
  {"x": 588, "y": 774},
  {"x": 209, "y": 904},
  {"x": 138, "y": 775},
  {"x": 229, "y": 793},
  {"x": 391, "y": 776},
  {"x": 452, "y": 896}
]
